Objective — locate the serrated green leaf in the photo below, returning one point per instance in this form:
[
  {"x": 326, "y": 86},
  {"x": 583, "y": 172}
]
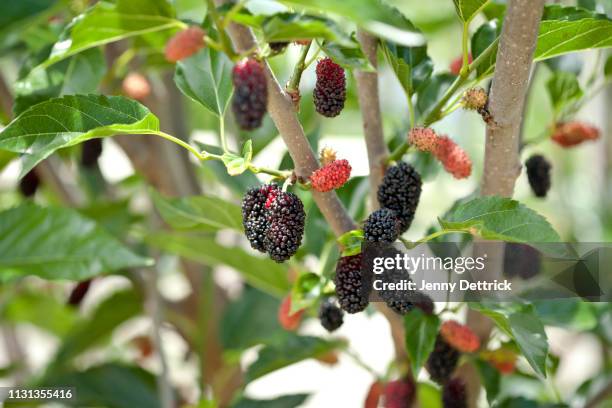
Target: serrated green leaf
[
  {"x": 108, "y": 22},
  {"x": 520, "y": 322},
  {"x": 348, "y": 56},
  {"x": 287, "y": 27},
  {"x": 198, "y": 212},
  {"x": 499, "y": 218},
  {"x": 563, "y": 89},
  {"x": 79, "y": 74},
  {"x": 69, "y": 120},
  {"x": 421, "y": 331},
  {"x": 206, "y": 77},
  {"x": 289, "y": 351},
  {"x": 431, "y": 91},
  {"x": 285, "y": 401},
  {"x": 58, "y": 243},
  {"x": 260, "y": 272},
  {"x": 484, "y": 36},
  {"x": 467, "y": 9},
  {"x": 411, "y": 65},
  {"x": 351, "y": 242}
]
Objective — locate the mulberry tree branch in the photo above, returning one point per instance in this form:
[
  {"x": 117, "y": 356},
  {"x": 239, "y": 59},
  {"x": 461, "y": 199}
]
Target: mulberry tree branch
[{"x": 284, "y": 117}]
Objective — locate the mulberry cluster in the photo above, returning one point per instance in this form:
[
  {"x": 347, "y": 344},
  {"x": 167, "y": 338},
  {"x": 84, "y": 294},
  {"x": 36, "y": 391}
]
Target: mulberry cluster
[
  {"x": 424, "y": 139},
  {"x": 91, "y": 152},
  {"x": 459, "y": 336},
  {"x": 352, "y": 288},
  {"x": 454, "y": 394},
  {"x": 250, "y": 94},
  {"x": 521, "y": 260},
  {"x": 538, "y": 174},
  {"x": 289, "y": 321},
  {"x": 475, "y": 99},
  {"x": 330, "y": 89},
  {"x": 28, "y": 185},
  {"x": 331, "y": 176},
  {"x": 400, "y": 191},
  {"x": 273, "y": 221},
  {"x": 454, "y": 159},
  {"x": 569, "y": 134},
  {"x": 330, "y": 316},
  {"x": 184, "y": 44},
  {"x": 442, "y": 361},
  {"x": 382, "y": 226},
  {"x": 399, "y": 393}
]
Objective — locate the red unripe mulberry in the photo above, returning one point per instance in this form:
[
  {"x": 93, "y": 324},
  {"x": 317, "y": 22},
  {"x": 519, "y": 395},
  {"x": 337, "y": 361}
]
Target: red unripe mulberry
[
  {"x": 289, "y": 321},
  {"x": 250, "y": 94},
  {"x": 184, "y": 44},
  {"x": 399, "y": 394},
  {"x": 136, "y": 86},
  {"x": 459, "y": 336},
  {"x": 454, "y": 159},
  {"x": 457, "y": 63},
  {"x": 573, "y": 133},
  {"x": 331, "y": 176},
  {"x": 423, "y": 139},
  {"x": 330, "y": 89},
  {"x": 374, "y": 394}
]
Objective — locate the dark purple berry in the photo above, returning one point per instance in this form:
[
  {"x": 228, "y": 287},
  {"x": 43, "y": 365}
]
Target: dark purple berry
[
  {"x": 382, "y": 226},
  {"x": 538, "y": 173},
  {"x": 442, "y": 361},
  {"x": 400, "y": 191},
  {"x": 254, "y": 213},
  {"x": 285, "y": 219},
  {"x": 250, "y": 94},
  {"x": 454, "y": 394},
  {"x": 330, "y": 89},
  {"x": 331, "y": 316},
  {"x": 91, "y": 152},
  {"x": 352, "y": 288},
  {"x": 29, "y": 183}
]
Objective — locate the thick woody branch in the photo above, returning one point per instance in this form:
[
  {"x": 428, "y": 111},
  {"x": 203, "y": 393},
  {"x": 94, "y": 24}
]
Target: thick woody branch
[{"x": 284, "y": 117}]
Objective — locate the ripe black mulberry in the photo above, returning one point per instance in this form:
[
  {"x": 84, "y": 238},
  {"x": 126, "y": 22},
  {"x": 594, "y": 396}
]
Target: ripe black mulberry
[
  {"x": 331, "y": 316},
  {"x": 91, "y": 152},
  {"x": 28, "y": 185},
  {"x": 382, "y": 226},
  {"x": 352, "y": 288},
  {"x": 442, "y": 361},
  {"x": 285, "y": 219},
  {"x": 454, "y": 394},
  {"x": 400, "y": 191},
  {"x": 254, "y": 213},
  {"x": 250, "y": 95},
  {"x": 538, "y": 173},
  {"x": 521, "y": 260},
  {"x": 330, "y": 89}
]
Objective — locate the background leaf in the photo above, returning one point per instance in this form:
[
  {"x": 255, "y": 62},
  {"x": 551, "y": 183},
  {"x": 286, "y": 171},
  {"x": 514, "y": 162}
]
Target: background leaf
[
  {"x": 58, "y": 243},
  {"x": 563, "y": 88},
  {"x": 206, "y": 77},
  {"x": 421, "y": 332},
  {"x": 411, "y": 65},
  {"x": 349, "y": 56},
  {"x": 467, "y": 9},
  {"x": 287, "y": 27},
  {"x": 481, "y": 40}
]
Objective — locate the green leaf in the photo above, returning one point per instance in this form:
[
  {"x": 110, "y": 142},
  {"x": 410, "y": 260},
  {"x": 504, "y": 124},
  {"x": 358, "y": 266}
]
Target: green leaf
[
  {"x": 421, "y": 331},
  {"x": 19, "y": 14},
  {"x": 486, "y": 35},
  {"x": 260, "y": 272},
  {"x": 69, "y": 120},
  {"x": 608, "y": 68},
  {"x": 351, "y": 242},
  {"x": 246, "y": 321},
  {"x": 499, "y": 218},
  {"x": 41, "y": 310},
  {"x": 349, "y": 56},
  {"x": 563, "y": 88},
  {"x": 93, "y": 331},
  {"x": 491, "y": 379},
  {"x": 285, "y": 401},
  {"x": 431, "y": 91},
  {"x": 198, "y": 212},
  {"x": 429, "y": 396},
  {"x": 467, "y": 9},
  {"x": 520, "y": 322},
  {"x": 287, "y": 27},
  {"x": 111, "y": 385},
  {"x": 236, "y": 165},
  {"x": 58, "y": 243},
  {"x": 107, "y": 22},
  {"x": 290, "y": 351},
  {"x": 374, "y": 15},
  {"x": 573, "y": 314},
  {"x": 206, "y": 77},
  {"x": 79, "y": 74},
  {"x": 411, "y": 65}
]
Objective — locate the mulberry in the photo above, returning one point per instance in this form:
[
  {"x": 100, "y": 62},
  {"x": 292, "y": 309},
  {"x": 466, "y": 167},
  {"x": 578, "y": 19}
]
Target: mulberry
[
  {"x": 521, "y": 260},
  {"x": 136, "y": 86},
  {"x": 382, "y": 226},
  {"x": 91, "y": 152},
  {"x": 254, "y": 213},
  {"x": 570, "y": 134},
  {"x": 442, "y": 361},
  {"x": 459, "y": 336},
  {"x": 78, "y": 292},
  {"x": 374, "y": 394},
  {"x": 400, "y": 191},
  {"x": 538, "y": 174},
  {"x": 29, "y": 183},
  {"x": 250, "y": 95},
  {"x": 285, "y": 225},
  {"x": 503, "y": 359},
  {"x": 454, "y": 159},
  {"x": 424, "y": 139},
  {"x": 331, "y": 316},
  {"x": 184, "y": 44},
  {"x": 330, "y": 89},
  {"x": 352, "y": 288},
  {"x": 331, "y": 176},
  {"x": 399, "y": 393},
  {"x": 475, "y": 99},
  {"x": 289, "y": 321},
  {"x": 454, "y": 394}
]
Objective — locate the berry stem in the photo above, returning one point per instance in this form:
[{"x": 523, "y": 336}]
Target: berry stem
[
  {"x": 300, "y": 66},
  {"x": 276, "y": 173},
  {"x": 411, "y": 111},
  {"x": 222, "y": 134}
]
